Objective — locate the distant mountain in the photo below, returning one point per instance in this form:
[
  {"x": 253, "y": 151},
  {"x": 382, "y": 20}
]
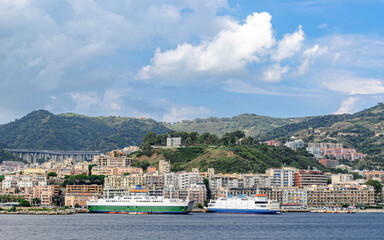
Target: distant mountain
[
  {"x": 44, "y": 130},
  {"x": 252, "y": 124},
  {"x": 41, "y": 129},
  {"x": 363, "y": 131}
]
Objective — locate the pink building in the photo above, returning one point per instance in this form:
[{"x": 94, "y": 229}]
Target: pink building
[
  {"x": 273, "y": 143},
  {"x": 342, "y": 153}
]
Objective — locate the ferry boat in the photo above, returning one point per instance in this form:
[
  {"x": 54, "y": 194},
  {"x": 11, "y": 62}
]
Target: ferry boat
[
  {"x": 256, "y": 204},
  {"x": 139, "y": 202}
]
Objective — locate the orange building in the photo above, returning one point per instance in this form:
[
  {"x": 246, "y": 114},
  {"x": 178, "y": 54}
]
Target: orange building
[{"x": 78, "y": 195}]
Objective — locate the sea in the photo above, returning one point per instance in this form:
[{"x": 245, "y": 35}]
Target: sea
[{"x": 194, "y": 226}]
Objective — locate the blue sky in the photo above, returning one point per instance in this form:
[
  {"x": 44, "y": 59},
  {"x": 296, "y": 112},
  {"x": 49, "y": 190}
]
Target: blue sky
[{"x": 186, "y": 59}]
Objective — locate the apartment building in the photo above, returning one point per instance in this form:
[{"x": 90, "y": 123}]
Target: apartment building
[
  {"x": 23, "y": 181},
  {"x": 306, "y": 178},
  {"x": 337, "y": 196},
  {"x": 282, "y": 177},
  {"x": 78, "y": 195}
]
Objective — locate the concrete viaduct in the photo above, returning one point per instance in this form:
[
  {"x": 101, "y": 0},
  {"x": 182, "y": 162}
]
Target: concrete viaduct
[{"x": 31, "y": 156}]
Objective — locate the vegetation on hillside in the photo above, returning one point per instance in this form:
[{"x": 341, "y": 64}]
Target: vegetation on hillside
[
  {"x": 44, "y": 130},
  {"x": 233, "y": 152},
  {"x": 6, "y": 156},
  {"x": 252, "y": 124}
]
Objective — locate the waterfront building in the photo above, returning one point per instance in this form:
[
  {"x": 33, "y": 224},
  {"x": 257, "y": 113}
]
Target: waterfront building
[
  {"x": 294, "y": 198},
  {"x": 45, "y": 194},
  {"x": 334, "y": 196},
  {"x": 78, "y": 195},
  {"x": 305, "y": 178},
  {"x": 196, "y": 193}
]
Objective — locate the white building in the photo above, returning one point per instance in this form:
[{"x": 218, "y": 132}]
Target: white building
[
  {"x": 23, "y": 181},
  {"x": 295, "y": 144},
  {"x": 282, "y": 177},
  {"x": 174, "y": 142}
]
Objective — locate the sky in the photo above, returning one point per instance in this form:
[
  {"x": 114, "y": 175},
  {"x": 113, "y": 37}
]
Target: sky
[{"x": 184, "y": 59}]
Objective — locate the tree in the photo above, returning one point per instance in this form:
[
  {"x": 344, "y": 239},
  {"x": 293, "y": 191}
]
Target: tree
[
  {"x": 1, "y": 178},
  {"x": 36, "y": 201},
  {"x": 378, "y": 188},
  {"x": 127, "y": 173},
  {"x": 24, "y": 203},
  {"x": 90, "y": 166},
  {"x": 150, "y": 138},
  {"x": 52, "y": 174},
  {"x": 146, "y": 149}
]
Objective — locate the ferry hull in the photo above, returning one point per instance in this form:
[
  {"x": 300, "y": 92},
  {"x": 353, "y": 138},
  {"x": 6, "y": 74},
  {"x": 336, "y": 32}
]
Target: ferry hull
[
  {"x": 139, "y": 209},
  {"x": 242, "y": 211}
]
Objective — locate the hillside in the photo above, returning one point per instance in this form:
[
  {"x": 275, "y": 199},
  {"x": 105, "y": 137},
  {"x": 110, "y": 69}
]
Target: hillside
[
  {"x": 237, "y": 159},
  {"x": 44, "y": 130},
  {"x": 252, "y": 124},
  {"x": 363, "y": 131}
]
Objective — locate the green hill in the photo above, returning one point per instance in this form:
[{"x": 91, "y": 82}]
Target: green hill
[
  {"x": 252, "y": 158},
  {"x": 44, "y": 130},
  {"x": 252, "y": 124},
  {"x": 363, "y": 131}
]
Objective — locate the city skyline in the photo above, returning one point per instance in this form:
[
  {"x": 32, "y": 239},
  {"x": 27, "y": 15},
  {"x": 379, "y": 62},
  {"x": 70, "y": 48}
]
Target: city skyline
[{"x": 178, "y": 60}]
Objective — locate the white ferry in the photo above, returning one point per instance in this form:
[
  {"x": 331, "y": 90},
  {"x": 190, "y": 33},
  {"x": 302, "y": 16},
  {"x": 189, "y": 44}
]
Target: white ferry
[
  {"x": 138, "y": 202},
  {"x": 257, "y": 204}
]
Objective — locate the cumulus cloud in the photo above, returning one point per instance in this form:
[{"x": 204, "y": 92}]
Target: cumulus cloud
[
  {"x": 348, "y": 106},
  {"x": 274, "y": 73},
  {"x": 289, "y": 45},
  {"x": 229, "y": 51},
  {"x": 309, "y": 57},
  {"x": 352, "y": 85}
]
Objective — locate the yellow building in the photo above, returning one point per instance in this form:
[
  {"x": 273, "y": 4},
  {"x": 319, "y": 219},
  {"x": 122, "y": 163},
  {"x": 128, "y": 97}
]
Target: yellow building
[{"x": 38, "y": 171}]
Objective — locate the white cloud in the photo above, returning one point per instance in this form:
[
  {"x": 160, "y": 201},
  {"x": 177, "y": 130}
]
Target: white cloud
[
  {"x": 323, "y": 26},
  {"x": 289, "y": 45},
  {"x": 85, "y": 100},
  {"x": 229, "y": 51},
  {"x": 309, "y": 56},
  {"x": 239, "y": 86},
  {"x": 178, "y": 113},
  {"x": 352, "y": 85},
  {"x": 274, "y": 73},
  {"x": 348, "y": 106},
  {"x": 111, "y": 101}
]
